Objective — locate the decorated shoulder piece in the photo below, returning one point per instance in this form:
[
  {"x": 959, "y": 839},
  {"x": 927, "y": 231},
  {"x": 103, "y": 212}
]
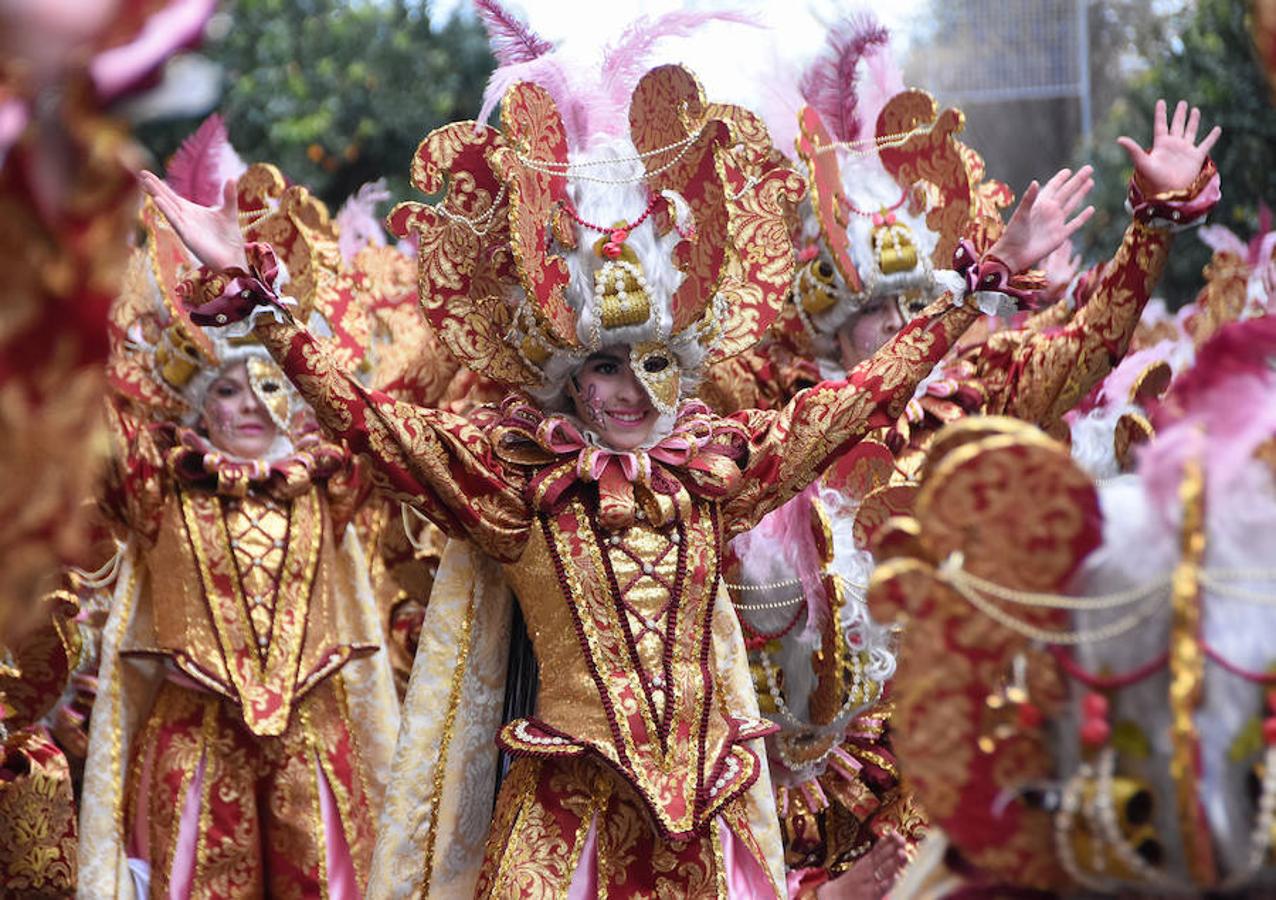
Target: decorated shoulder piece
[{"x": 1095, "y": 651}]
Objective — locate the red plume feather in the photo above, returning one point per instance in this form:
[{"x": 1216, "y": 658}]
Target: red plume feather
[
  {"x": 193, "y": 170},
  {"x": 829, "y": 85}
]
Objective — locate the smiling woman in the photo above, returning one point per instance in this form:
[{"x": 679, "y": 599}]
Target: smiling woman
[{"x": 609, "y": 398}]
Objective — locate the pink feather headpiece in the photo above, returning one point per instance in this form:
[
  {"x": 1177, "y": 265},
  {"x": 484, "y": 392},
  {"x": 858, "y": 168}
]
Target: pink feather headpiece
[
  {"x": 1219, "y": 411},
  {"x": 831, "y": 85},
  {"x": 592, "y": 99}
]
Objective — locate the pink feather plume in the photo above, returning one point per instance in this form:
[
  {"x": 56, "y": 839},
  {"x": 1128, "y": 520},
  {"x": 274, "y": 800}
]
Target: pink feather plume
[
  {"x": 357, "y": 222},
  {"x": 830, "y": 84},
  {"x": 594, "y": 101},
  {"x": 195, "y": 169},
  {"x": 1219, "y": 411},
  {"x": 511, "y": 40}
]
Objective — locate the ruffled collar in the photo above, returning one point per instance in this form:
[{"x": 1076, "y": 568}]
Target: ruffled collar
[
  {"x": 697, "y": 457},
  {"x": 194, "y": 460}
]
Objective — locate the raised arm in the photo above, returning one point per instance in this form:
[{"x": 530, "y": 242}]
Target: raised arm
[
  {"x": 1038, "y": 374},
  {"x": 790, "y": 447},
  {"x": 440, "y": 463}
]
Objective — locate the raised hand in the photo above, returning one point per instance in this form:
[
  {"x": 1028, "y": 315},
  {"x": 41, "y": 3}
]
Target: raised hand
[
  {"x": 1175, "y": 158},
  {"x": 210, "y": 232},
  {"x": 1041, "y": 222}
]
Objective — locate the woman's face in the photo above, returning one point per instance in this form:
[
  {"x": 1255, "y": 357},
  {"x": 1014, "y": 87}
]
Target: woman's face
[
  {"x": 865, "y": 334},
  {"x": 610, "y": 399},
  {"x": 236, "y": 420}
]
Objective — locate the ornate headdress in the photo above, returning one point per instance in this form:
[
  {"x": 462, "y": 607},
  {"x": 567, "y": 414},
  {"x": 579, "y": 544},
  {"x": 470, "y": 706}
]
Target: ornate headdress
[
  {"x": 162, "y": 360},
  {"x": 561, "y": 234},
  {"x": 892, "y": 191}
]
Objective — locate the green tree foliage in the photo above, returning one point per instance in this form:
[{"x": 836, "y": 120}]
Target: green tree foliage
[
  {"x": 339, "y": 92},
  {"x": 1214, "y": 66}
]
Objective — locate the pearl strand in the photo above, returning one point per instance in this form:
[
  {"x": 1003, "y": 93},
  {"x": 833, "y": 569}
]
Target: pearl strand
[
  {"x": 1111, "y": 830},
  {"x": 484, "y": 221},
  {"x": 872, "y": 146},
  {"x": 763, "y": 607},
  {"x": 553, "y": 168},
  {"x": 1069, "y": 805}
]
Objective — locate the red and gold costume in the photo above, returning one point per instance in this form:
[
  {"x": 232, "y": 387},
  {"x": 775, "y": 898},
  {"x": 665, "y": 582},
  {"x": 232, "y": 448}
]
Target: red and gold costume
[
  {"x": 639, "y": 772},
  {"x": 1093, "y": 650},
  {"x": 245, "y": 709},
  {"x": 37, "y": 810}
]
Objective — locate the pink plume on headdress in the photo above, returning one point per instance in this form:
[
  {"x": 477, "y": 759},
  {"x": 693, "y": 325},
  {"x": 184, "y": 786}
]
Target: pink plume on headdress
[
  {"x": 510, "y": 39},
  {"x": 1221, "y": 239},
  {"x": 628, "y": 58},
  {"x": 357, "y": 220},
  {"x": 830, "y": 84},
  {"x": 1219, "y": 411},
  {"x": 594, "y": 99},
  {"x": 195, "y": 170}
]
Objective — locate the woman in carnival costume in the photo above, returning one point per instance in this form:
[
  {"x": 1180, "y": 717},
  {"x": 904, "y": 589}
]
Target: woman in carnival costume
[
  {"x": 892, "y": 192},
  {"x": 245, "y": 710},
  {"x": 594, "y": 262}
]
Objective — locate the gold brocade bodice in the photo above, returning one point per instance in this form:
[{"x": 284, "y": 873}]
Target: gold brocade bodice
[
  {"x": 621, "y": 626},
  {"x": 243, "y": 599}
]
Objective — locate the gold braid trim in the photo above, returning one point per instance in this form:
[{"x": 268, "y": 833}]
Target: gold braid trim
[
  {"x": 1187, "y": 668},
  {"x": 440, "y": 770}
]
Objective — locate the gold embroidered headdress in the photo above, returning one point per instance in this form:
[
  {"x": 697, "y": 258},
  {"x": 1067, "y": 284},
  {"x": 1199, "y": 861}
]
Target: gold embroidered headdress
[
  {"x": 672, "y": 239},
  {"x": 892, "y": 190},
  {"x": 164, "y": 362}
]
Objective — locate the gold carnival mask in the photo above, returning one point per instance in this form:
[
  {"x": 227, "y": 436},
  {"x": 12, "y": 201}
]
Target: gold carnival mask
[
  {"x": 657, "y": 369},
  {"x": 269, "y": 385}
]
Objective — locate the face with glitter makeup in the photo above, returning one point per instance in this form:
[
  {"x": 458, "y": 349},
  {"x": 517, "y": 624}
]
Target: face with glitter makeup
[
  {"x": 610, "y": 399},
  {"x": 235, "y": 419}
]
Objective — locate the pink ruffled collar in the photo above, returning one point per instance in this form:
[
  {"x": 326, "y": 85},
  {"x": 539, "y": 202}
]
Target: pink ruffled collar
[{"x": 698, "y": 456}]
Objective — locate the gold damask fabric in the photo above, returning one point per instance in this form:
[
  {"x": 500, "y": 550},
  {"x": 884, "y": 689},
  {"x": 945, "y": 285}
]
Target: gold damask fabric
[
  {"x": 262, "y": 830},
  {"x": 128, "y": 685}
]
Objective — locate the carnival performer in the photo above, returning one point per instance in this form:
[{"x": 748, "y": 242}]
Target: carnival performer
[
  {"x": 67, "y": 198},
  {"x": 594, "y": 262},
  {"x": 245, "y": 709},
  {"x": 870, "y": 251}
]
